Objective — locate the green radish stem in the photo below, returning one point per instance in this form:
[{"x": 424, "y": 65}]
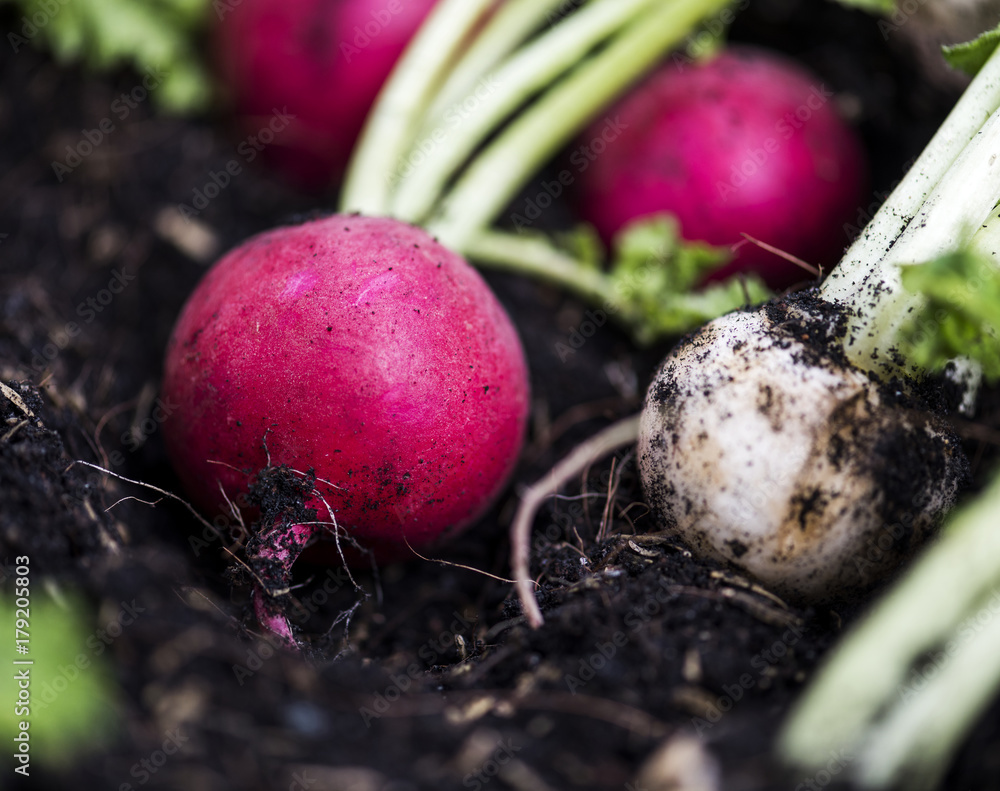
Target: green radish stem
[
  {"x": 957, "y": 206},
  {"x": 627, "y": 36},
  {"x": 526, "y": 73},
  {"x": 986, "y": 240},
  {"x": 389, "y": 129},
  {"x": 510, "y": 26},
  {"x": 913, "y": 747},
  {"x": 920, "y": 615},
  {"x": 537, "y": 257},
  {"x": 975, "y": 105},
  {"x": 503, "y": 168},
  {"x": 864, "y": 272}
]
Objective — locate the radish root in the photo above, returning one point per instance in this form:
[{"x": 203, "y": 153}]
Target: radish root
[{"x": 624, "y": 432}]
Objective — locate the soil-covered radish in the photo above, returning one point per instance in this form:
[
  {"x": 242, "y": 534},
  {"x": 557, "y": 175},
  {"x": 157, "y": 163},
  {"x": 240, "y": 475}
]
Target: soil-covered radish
[
  {"x": 747, "y": 142},
  {"x": 363, "y": 350},
  {"x": 790, "y": 441},
  {"x": 321, "y": 61},
  {"x": 764, "y": 447}
]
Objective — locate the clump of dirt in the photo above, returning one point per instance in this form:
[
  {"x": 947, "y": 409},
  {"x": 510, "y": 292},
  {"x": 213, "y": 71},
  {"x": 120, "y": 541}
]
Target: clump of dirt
[{"x": 67, "y": 526}]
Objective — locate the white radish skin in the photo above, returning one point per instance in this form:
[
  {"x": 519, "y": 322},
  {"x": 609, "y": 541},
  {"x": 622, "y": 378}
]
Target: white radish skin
[{"x": 761, "y": 449}]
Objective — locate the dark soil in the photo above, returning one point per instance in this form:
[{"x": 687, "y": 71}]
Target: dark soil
[{"x": 434, "y": 681}]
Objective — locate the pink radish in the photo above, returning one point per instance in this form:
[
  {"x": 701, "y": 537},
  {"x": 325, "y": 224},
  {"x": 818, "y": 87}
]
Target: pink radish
[
  {"x": 321, "y": 61},
  {"x": 361, "y": 349},
  {"x": 748, "y": 142}
]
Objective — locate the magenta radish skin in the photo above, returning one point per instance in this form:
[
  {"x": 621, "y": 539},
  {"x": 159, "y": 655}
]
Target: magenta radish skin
[
  {"x": 748, "y": 142},
  {"x": 321, "y": 61},
  {"x": 360, "y": 348}
]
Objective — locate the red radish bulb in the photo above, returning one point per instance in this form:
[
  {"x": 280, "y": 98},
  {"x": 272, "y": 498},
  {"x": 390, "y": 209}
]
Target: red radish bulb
[
  {"x": 362, "y": 349},
  {"x": 322, "y": 62},
  {"x": 747, "y": 142}
]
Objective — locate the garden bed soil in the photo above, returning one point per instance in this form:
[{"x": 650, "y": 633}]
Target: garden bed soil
[{"x": 651, "y": 666}]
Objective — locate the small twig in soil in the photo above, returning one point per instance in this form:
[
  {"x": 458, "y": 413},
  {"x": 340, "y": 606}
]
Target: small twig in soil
[
  {"x": 624, "y": 542},
  {"x": 17, "y": 427},
  {"x": 119, "y": 501},
  {"x": 623, "y": 513},
  {"x": 157, "y": 489},
  {"x": 235, "y": 512},
  {"x": 624, "y": 432},
  {"x": 16, "y": 400},
  {"x": 457, "y": 565},
  {"x": 616, "y": 479},
  {"x": 742, "y": 582},
  {"x": 812, "y": 270}
]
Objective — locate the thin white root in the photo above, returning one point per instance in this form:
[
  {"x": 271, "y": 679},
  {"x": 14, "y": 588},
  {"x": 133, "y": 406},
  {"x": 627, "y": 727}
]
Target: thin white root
[
  {"x": 624, "y": 432},
  {"x": 156, "y": 489}
]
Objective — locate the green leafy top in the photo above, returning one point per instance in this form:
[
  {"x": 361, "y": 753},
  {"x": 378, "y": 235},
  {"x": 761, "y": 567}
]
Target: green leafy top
[
  {"x": 655, "y": 277},
  {"x": 971, "y": 55},
  {"x": 960, "y": 315},
  {"x": 653, "y": 285},
  {"x": 150, "y": 35}
]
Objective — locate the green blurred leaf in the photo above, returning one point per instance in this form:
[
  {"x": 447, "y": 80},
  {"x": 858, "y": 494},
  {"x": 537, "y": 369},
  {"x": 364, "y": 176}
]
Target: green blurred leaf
[
  {"x": 156, "y": 35},
  {"x": 658, "y": 275},
  {"x": 961, "y": 314},
  {"x": 971, "y": 55},
  {"x": 71, "y": 707},
  {"x": 656, "y": 241},
  {"x": 584, "y": 244}
]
